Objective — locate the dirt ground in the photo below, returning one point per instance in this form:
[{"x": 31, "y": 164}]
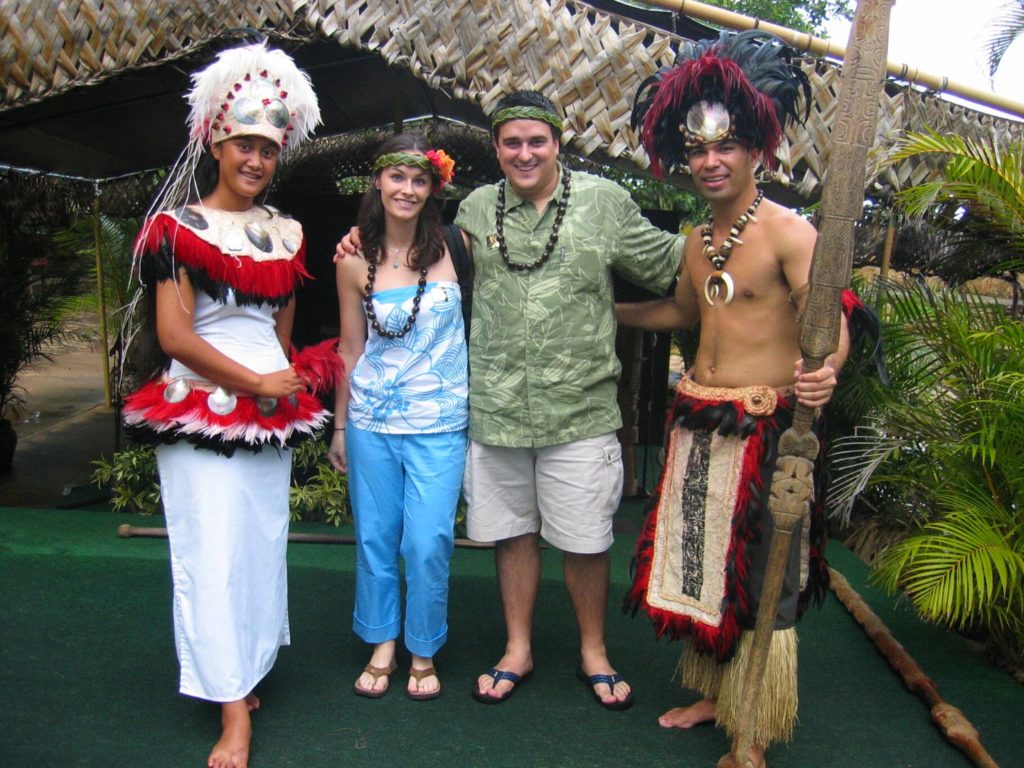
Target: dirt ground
[{"x": 65, "y": 424}]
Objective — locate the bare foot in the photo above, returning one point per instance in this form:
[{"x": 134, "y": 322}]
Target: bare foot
[
  {"x": 252, "y": 701},
  {"x": 383, "y": 661},
  {"x": 520, "y": 666},
  {"x": 687, "y": 717},
  {"x": 232, "y": 751}
]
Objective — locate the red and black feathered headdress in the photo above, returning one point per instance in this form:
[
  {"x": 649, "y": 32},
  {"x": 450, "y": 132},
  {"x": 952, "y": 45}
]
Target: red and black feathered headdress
[{"x": 742, "y": 86}]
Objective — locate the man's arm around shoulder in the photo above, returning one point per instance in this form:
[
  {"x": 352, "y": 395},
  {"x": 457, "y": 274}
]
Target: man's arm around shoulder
[{"x": 670, "y": 313}]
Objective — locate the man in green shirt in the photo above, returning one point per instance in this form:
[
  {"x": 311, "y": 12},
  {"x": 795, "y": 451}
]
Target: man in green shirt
[{"x": 543, "y": 458}]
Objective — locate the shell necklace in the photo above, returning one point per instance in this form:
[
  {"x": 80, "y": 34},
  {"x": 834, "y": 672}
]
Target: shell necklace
[{"x": 720, "y": 281}]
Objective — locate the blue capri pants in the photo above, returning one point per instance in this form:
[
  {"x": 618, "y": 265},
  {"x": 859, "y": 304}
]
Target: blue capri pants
[{"x": 404, "y": 490}]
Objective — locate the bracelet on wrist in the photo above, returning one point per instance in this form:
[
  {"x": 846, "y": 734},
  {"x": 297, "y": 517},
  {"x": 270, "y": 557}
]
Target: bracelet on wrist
[{"x": 339, "y": 429}]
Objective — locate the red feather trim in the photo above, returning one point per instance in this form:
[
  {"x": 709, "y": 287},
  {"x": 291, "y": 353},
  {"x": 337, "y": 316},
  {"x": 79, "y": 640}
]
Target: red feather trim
[
  {"x": 745, "y": 527},
  {"x": 851, "y": 302},
  {"x": 264, "y": 279},
  {"x": 320, "y": 365},
  {"x": 245, "y": 424}
]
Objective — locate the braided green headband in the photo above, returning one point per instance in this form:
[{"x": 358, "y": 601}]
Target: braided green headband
[
  {"x": 404, "y": 158},
  {"x": 526, "y": 113}
]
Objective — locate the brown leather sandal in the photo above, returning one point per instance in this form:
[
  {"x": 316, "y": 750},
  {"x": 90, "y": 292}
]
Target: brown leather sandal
[
  {"x": 376, "y": 673},
  {"x": 418, "y": 675}
]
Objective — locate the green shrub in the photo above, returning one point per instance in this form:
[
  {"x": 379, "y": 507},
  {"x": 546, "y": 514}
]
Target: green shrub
[
  {"x": 318, "y": 492},
  {"x": 132, "y": 479}
]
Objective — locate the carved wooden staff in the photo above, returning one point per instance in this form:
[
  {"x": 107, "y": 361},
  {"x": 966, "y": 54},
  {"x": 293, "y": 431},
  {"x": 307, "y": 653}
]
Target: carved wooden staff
[
  {"x": 950, "y": 720},
  {"x": 842, "y": 202}
]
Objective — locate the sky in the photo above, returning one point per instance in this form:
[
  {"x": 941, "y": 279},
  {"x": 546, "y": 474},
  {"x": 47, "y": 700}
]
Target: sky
[{"x": 947, "y": 38}]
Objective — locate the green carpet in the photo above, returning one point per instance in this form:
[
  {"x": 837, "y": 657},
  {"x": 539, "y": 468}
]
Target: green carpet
[{"x": 88, "y": 674}]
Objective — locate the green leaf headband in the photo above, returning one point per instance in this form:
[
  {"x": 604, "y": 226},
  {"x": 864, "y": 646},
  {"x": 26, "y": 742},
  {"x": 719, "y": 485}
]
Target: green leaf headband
[
  {"x": 404, "y": 158},
  {"x": 526, "y": 113},
  {"x": 437, "y": 161}
]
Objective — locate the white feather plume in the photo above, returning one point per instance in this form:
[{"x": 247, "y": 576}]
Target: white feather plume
[{"x": 210, "y": 87}]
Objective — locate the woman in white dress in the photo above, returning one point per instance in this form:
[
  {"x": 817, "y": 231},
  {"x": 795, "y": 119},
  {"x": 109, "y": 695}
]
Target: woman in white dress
[{"x": 222, "y": 402}]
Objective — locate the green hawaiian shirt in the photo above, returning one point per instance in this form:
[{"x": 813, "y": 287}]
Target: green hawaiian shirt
[{"x": 542, "y": 347}]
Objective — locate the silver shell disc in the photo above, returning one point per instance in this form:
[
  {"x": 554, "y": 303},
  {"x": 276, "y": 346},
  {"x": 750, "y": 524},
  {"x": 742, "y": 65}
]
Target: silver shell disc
[
  {"x": 267, "y": 406},
  {"x": 258, "y": 236},
  {"x": 176, "y": 391},
  {"x": 190, "y": 218},
  {"x": 221, "y": 401}
]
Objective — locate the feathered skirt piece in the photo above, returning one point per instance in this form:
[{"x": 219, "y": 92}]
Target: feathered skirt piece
[
  {"x": 170, "y": 410},
  {"x": 701, "y": 555}
]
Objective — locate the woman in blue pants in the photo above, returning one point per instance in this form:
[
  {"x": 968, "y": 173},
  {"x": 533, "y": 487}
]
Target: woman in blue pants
[{"x": 401, "y": 414}]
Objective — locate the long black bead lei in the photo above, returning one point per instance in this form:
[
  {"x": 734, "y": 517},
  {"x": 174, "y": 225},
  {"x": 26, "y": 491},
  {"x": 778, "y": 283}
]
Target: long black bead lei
[
  {"x": 499, "y": 223},
  {"x": 421, "y": 287}
]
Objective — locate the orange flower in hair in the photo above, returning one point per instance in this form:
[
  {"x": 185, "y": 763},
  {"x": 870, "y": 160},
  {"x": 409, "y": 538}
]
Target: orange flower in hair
[{"x": 444, "y": 164}]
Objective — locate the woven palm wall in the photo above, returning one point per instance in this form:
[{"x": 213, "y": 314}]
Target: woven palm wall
[{"x": 588, "y": 62}]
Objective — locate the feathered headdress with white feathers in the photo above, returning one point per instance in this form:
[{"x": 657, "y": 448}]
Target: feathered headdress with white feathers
[{"x": 252, "y": 90}]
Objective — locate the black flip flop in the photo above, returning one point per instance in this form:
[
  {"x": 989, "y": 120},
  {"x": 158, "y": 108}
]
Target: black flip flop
[
  {"x": 497, "y": 675},
  {"x": 610, "y": 680}
]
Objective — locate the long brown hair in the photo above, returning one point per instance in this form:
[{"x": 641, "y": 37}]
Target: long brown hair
[{"x": 428, "y": 240}]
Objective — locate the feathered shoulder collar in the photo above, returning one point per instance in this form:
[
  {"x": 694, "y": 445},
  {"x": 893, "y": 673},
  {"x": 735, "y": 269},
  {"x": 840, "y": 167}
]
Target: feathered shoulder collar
[{"x": 258, "y": 253}]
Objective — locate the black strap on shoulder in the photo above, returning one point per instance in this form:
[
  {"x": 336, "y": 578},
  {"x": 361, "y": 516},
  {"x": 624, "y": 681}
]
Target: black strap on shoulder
[{"x": 463, "y": 269}]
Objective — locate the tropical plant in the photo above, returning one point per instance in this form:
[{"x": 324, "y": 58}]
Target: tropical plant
[
  {"x": 1004, "y": 31},
  {"x": 804, "y": 15},
  {"x": 939, "y": 463},
  {"x": 36, "y": 292},
  {"x": 979, "y": 199},
  {"x": 317, "y": 493},
  {"x": 114, "y": 238},
  {"x": 131, "y": 476}
]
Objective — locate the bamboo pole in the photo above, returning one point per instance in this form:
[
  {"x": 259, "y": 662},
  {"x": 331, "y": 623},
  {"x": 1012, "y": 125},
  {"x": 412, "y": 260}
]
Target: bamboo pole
[
  {"x": 890, "y": 242},
  {"x": 129, "y": 531},
  {"x": 820, "y": 47},
  {"x": 950, "y": 720},
  {"x": 842, "y": 204},
  {"x": 101, "y": 292}
]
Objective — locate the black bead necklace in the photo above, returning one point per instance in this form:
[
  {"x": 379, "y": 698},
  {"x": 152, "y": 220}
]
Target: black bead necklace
[
  {"x": 421, "y": 287},
  {"x": 499, "y": 222}
]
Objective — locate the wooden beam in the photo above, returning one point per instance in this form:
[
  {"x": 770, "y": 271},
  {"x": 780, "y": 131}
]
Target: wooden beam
[{"x": 804, "y": 41}]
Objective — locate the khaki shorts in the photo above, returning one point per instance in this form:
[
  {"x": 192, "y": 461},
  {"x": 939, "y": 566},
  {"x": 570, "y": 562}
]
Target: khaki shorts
[{"x": 568, "y": 493}]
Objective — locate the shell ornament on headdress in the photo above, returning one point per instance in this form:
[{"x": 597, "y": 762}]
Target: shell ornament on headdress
[
  {"x": 743, "y": 86},
  {"x": 249, "y": 90},
  {"x": 252, "y": 91}
]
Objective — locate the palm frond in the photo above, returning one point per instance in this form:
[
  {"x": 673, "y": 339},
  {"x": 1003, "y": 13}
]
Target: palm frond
[
  {"x": 1005, "y": 29},
  {"x": 855, "y": 459},
  {"x": 960, "y": 569}
]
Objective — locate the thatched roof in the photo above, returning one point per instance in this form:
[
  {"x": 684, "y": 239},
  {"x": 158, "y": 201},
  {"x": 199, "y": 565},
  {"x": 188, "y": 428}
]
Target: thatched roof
[{"x": 93, "y": 88}]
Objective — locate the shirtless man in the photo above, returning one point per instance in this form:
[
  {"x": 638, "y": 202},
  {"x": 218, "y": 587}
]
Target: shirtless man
[{"x": 702, "y": 553}]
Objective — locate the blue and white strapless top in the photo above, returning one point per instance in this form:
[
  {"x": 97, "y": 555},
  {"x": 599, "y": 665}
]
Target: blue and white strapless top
[{"x": 417, "y": 383}]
